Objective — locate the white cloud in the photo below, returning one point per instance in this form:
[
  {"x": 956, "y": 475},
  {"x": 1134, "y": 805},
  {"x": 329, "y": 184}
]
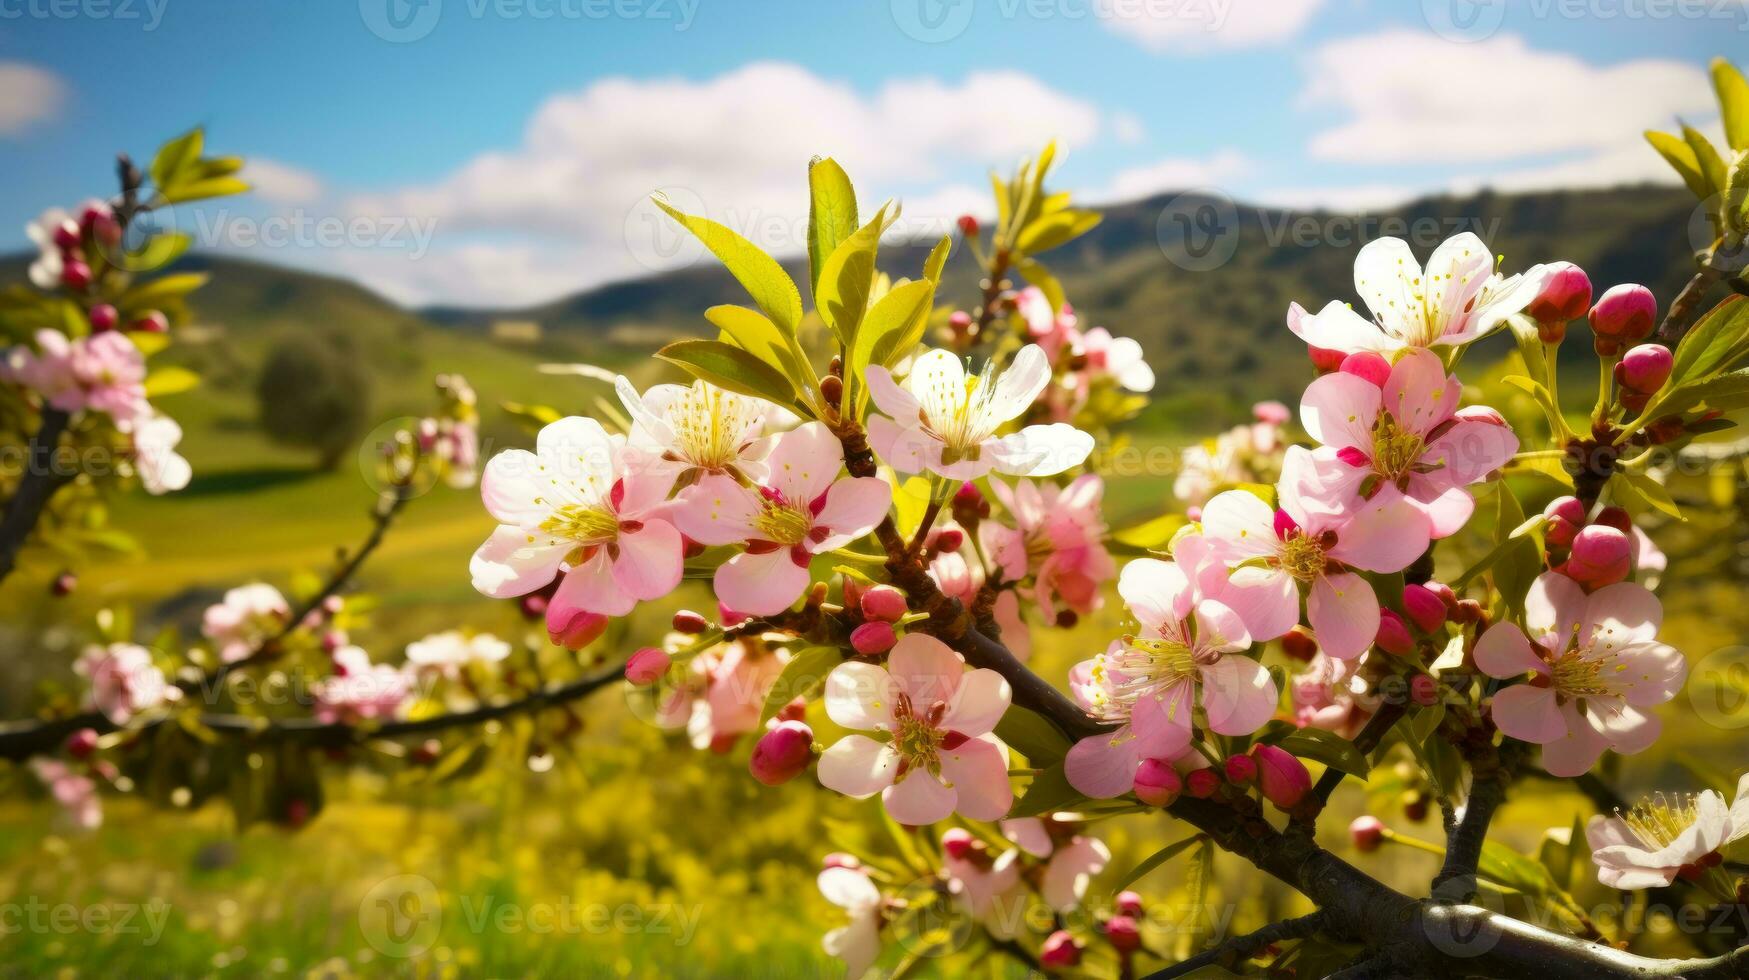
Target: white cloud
[
  {"x": 28, "y": 95},
  {"x": 1127, "y": 128},
  {"x": 279, "y": 183},
  {"x": 574, "y": 195},
  {"x": 1218, "y": 169},
  {"x": 1198, "y": 25},
  {"x": 1631, "y": 161},
  {"x": 1415, "y": 98},
  {"x": 1357, "y": 198}
]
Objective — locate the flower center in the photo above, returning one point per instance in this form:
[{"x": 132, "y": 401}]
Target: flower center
[
  {"x": 1578, "y": 675},
  {"x": 917, "y": 738},
  {"x": 1394, "y": 449},
  {"x": 783, "y": 523},
  {"x": 590, "y": 525},
  {"x": 1660, "y": 819},
  {"x": 960, "y": 413},
  {"x": 1301, "y": 556},
  {"x": 711, "y": 425},
  {"x": 1140, "y": 667}
]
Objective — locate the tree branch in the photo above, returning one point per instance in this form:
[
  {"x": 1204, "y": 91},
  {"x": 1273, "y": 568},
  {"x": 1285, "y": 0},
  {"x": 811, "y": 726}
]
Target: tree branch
[
  {"x": 1456, "y": 881},
  {"x": 1231, "y": 953},
  {"x": 40, "y": 481}
]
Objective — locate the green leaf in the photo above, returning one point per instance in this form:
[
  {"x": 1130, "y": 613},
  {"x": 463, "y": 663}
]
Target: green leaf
[
  {"x": 731, "y": 368},
  {"x": 937, "y": 260},
  {"x": 1150, "y": 535},
  {"x": 1154, "y": 860},
  {"x": 1680, "y": 156},
  {"x": 1039, "y": 276},
  {"x": 173, "y": 157},
  {"x": 803, "y": 677},
  {"x": 1500, "y": 550},
  {"x": 1712, "y": 166},
  {"x": 1723, "y": 392},
  {"x": 1055, "y": 230},
  {"x": 1521, "y": 560},
  {"x": 1196, "y": 884},
  {"x": 1031, "y": 735},
  {"x": 848, "y": 277},
  {"x": 891, "y": 330},
  {"x": 150, "y": 294},
  {"x": 1050, "y": 791},
  {"x": 771, "y": 288},
  {"x": 1733, "y": 93},
  {"x": 170, "y": 381},
  {"x": 1504, "y": 866},
  {"x": 754, "y": 333},
  {"x": 831, "y": 214},
  {"x": 202, "y": 188},
  {"x": 1711, "y": 344},
  {"x": 160, "y": 251},
  {"x": 1328, "y": 748},
  {"x": 1643, "y": 493},
  {"x": 1544, "y": 400}
]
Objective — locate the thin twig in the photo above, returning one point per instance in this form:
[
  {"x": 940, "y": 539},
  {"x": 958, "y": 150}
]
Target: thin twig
[{"x": 1229, "y": 954}]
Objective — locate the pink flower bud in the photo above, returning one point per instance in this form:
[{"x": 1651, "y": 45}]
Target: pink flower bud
[
  {"x": 1285, "y": 524},
  {"x": 968, "y": 494},
  {"x": 1625, "y": 313},
  {"x": 1601, "y": 556},
  {"x": 1645, "y": 368},
  {"x": 782, "y": 753},
  {"x": 1129, "y": 903},
  {"x": 1282, "y": 777},
  {"x": 957, "y": 843},
  {"x": 1271, "y": 413},
  {"x": 82, "y": 743},
  {"x": 691, "y": 623},
  {"x": 959, "y": 321},
  {"x": 1566, "y": 516},
  {"x": 1325, "y": 361},
  {"x": 1424, "y": 690},
  {"x": 1425, "y": 607},
  {"x": 1565, "y": 295},
  {"x": 1615, "y": 517},
  {"x": 153, "y": 322},
  {"x": 1367, "y": 832},
  {"x": 76, "y": 275},
  {"x": 64, "y": 584},
  {"x": 1157, "y": 783},
  {"x": 1202, "y": 783},
  {"x": 103, "y": 318},
  {"x": 1059, "y": 951},
  {"x": 839, "y": 859},
  {"x": 1241, "y": 769},
  {"x": 66, "y": 235},
  {"x": 1369, "y": 365},
  {"x": 950, "y": 540},
  {"x": 1393, "y": 635},
  {"x": 333, "y": 640},
  {"x": 647, "y": 666},
  {"x": 576, "y": 632},
  {"x": 883, "y": 603},
  {"x": 1123, "y": 933},
  {"x": 873, "y": 638}
]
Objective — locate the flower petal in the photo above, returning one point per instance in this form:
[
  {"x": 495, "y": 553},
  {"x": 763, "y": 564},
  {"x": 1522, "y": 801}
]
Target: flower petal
[
  {"x": 1344, "y": 613},
  {"x": 853, "y": 507},
  {"x": 650, "y": 563},
  {"x": 717, "y": 510},
  {"x": 1503, "y": 651},
  {"x": 858, "y": 766},
  {"x": 760, "y": 585},
  {"x": 919, "y": 799},
  {"x": 1039, "y": 450},
  {"x": 513, "y": 562},
  {"x": 1339, "y": 410},
  {"x": 1103, "y": 766},
  {"x": 860, "y": 695},
  {"x": 1529, "y": 714},
  {"x": 926, "y": 669},
  {"x": 1238, "y": 694},
  {"x": 977, "y": 772},
  {"x": 978, "y": 704}
]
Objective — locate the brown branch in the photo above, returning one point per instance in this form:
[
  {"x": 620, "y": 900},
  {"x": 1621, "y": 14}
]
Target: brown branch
[
  {"x": 1456, "y": 881},
  {"x": 42, "y": 477},
  {"x": 1231, "y": 953}
]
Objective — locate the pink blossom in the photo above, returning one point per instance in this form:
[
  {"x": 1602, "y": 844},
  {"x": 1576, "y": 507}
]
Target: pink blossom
[
  {"x": 359, "y": 690},
  {"x": 76, "y": 793},
  {"x": 247, "y": 616},
  {"x": 936, "y": 754},
  {"x": 1457, "y": 298},
  {"x": 801, "y": 510},
  {"x": 1054, "y": 332},
  {"x": 1595, "y": 665},
  {"x": 857, "y": 943},
  {"x": 1186, "y": 652},
  {"x": 1329, "y": 694},
  {"x": 161, "y": 468},
  {"x": 586, "y": 506},
  {"x": 50, "y": 233},
  {"x": 981, "y": 880},
  {"x": 699, "y": 428},
  {"x": 1408, "y": 432},
  {"x": 103, "y": 373},
  {"x": 1072, "y": 861},
  {"x": 1057, "y": 541},
  {"x": 962, "y": 579},
  {"x": 447, "y": 653},
  {"x": 1119, "y": 358},
  {"x": 1322, "y": 532},
  {"x": 1667, "y": 837},
  {"x": 124, "y": 680},
  {"x": 945, "y": 422},
  {"x": 736, "y": 681}
]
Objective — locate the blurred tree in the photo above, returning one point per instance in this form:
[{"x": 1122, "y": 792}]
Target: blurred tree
[{"x": 313, "y": 392}]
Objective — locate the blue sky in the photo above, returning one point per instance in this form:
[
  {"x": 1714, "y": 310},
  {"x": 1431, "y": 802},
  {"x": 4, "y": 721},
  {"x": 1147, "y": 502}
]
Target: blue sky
[{"x": 497, "y": 151}]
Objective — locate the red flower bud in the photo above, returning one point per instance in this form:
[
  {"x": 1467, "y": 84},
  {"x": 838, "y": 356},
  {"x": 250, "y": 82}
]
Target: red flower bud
[
  {"x": 103, "y": 318},
  {"x": 1565, "y": 295},
  {"x": 1426, "y": 609},
  {"x": 950, "y": 541},
  {"x": 1566, "y": 516},
  {"x": 64, "y": 584},
  {"x": 66, "y": 235},
  {"x": 153, "y": 322},
  {"x": 1282, "y": 777},
  {"x": 1645, "y": 368},
  {"x": 957, "y": 843},
  {"x": 1157, "y": 783},
  {"x": 76, "y": 275},
  {"x": 782, "y": 753},
  {"x": 1393, "y": 635},
  {"x": 1601, "y": 556},
  {"x": 1615, "y": 517},
  {"x": 1625, "y": 313},
  {"x": 1367, "y": 832},
  {"x": 968, "y": 226},
  {"x": 1059, "y": 951},
  {"x": 1123, "y": 933},
  {"x": 582, "y": 629},
  {"x": 870, "y": 639},
  {"x": 1325, "y": 361},
  {"x": 1241, "y": 769},
  {"x": 1202, "y": 783},
  {"x": 1299, "y": 645},
  {"x": 82, "y": 743},
  {"x": 647, "y": 666},
  {"x": 1129, "y": 903},
  {"x": 883, "y": 603},
  {"x": 691, "y": 623}
]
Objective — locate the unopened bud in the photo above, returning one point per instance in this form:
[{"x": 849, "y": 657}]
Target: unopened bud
[
  {"x": 874, "y": 638},
  {"x": 1157, "y": 783},
  {"x": 1565, "y": 295},
  {"x": 577, "y": 632},
  {"x": 950, "y": 540},
  {"x": 1425, "y": 608},
  {"x": 1241, "y": 769},
  {"x": 782, "y": 753},
  {"x": 1645, "y": 368},
  {"x": 968, "y": 226},
  {"x": 1282, "y": 776},
  {"x": 957, "y": 843},
  {"x": 1299, "y": 645},
  {"x": 1202, "y": 783},
  {"x": 1601, "y": 556},
  {"x": 1367, "y": 832},
  {"x": 82, "y": 743},
  {"x": 832, "y": 389},
  {"x": 883, "y": 603},
  {"x": 691, "y": 623},
  {"x": 1123, "y": 933},
  {"x": 1325, "y": 361},
  {"x": 76, "y": 275},
  {"x": 1369, "y": 365},
  {"x": 1128, "y": 903},
  {"x": 1060, "y": 951},
  {"x": 839, "y": 859},
  {"x": 1393, "y": 635},
  {"x": 1624, "y": 314},
  {"x": 647, "y": 666},
  {"x": 103, "y": 318},
  {"x": 64, "y": 584},
  {"x": 1566, "y": 516}
]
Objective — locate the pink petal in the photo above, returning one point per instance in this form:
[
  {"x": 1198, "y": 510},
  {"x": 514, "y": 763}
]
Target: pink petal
[
  {"x": 650, "y": 564},
  {"x": 1627, "y": 729},
  {"x": 1162, "y": 721},
  {"x": 853, "y": 507},
  {"x": 1238, "y": 694},
  {"x": 1575, "y": 753},
  {"x": 1028, "y": 834},
  {"x": 716, "y": 510},
  {"x": 1470, "y": 450},
  {"x": 1103, "y": 766},
  {"x": 1649, "y": 673},
  {"x": 1071, "y": 870},
  {"x": 858, "y": 766},
  {"x": 919, "y": 799},
  {"x": 1387, "y": 535},
  {"x": 760, "y": 585},
  {"x": 905, "y": 448},
  {"x": 1504, "y": 652},
  {"x": 1620, "y": 613},
  {"x": 1266, "y": 599},
  {"x": 1419, "y": 395},
  {"x": 1554, "y": 609},
  {"x": 1038, "y": 450},
  {"x": 1240, "y": 525},
  {"x": 1219, "y": 628},
  {"x": 888, "y": 396},
  {"x": 978, "y": 704},
  {"x": 513, "y": 490},
  {"x": 1339, "y": 409},
  {"x": 1447, "y": 513},
  {"x": 977, "y": 772},
  {"x": 1156, "y": 592},
  {"x": 592, "y": 586},
  {"x": 1344, "y": 613},
  {"x": 925, "y": 669},
  {"x": 860, "y": 695},
  {"x": 512, "y": 562},
  {"x": 1529, "y": 714},
  {"x": 804, "y": 462}
]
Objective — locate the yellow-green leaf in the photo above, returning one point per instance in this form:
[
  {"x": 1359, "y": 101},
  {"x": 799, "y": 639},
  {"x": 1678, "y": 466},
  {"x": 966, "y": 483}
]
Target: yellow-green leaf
[
  {"x": 1154, "y": 860},
  {"x": 731, "y": 368},
  {"x": 1680, "y": 155},
  {"x": 893, "y": 326},
  {"x": 771, "y": 288},
  {"x": 754, "y": 333},
  {"x": 1053, "y": 230},
  {"x": 203, "y": 188},
  {"x": 848, "y": 277},
  {"x": 937, "y": 260},
  {"x": 1047, "y": 283},
  {"x": 1712, "y": 166},
  {"x": 1643, "y": 493},
  {"x": 176, "y": 155},
  {"x": 1733, "y": 93},
  {"x": 803, "y": 677},
  {"x": 831, "y": 214},
  {"x": 1032, "y": 736},
  {"x": 170, "y": 381}
]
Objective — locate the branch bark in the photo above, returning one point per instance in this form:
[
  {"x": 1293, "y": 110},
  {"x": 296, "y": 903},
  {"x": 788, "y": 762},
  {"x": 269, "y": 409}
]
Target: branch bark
[{"x": 40, "y": 481}]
